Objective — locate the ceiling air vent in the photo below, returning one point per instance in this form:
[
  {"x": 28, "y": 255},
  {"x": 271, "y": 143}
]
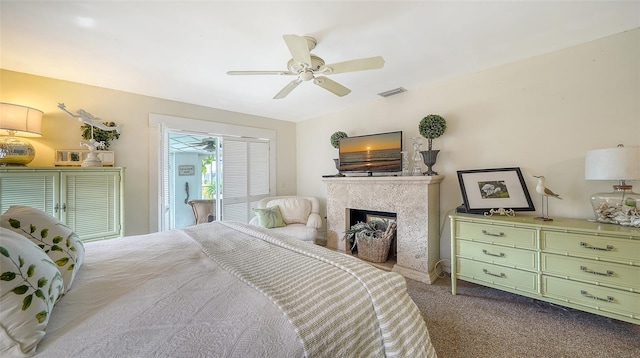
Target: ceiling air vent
[{"x": 392, "y": 92}]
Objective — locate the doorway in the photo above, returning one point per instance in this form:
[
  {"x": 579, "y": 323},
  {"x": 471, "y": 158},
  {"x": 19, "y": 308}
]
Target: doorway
[
  {"x": 245, "y": 169},
  {"x": 194, "y": 164}
]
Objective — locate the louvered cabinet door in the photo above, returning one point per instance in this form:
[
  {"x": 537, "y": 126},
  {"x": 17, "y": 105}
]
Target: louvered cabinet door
[
  {"x": 37, "y": 189},
  {"x": 91, "y": 202}
]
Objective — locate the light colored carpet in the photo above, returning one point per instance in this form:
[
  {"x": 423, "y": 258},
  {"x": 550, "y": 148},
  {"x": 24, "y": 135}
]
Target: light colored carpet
[{"x": 483, "y": 322}]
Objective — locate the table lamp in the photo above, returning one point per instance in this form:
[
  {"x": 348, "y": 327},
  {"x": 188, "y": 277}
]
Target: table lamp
[
  {"x": 18, "y": 121},
  {"x": 622, "y": 206}
]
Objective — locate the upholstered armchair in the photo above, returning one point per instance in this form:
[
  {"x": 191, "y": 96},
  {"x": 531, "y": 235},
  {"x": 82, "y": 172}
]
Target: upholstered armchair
[
  {"x": 204, "y": 210},
  {"x": 300, "y": 216}
]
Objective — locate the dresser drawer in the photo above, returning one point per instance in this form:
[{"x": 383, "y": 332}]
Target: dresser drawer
[
  {"x": 497, "y": 275},
  {"x": 596, "y": 247},
  {"x": 500, "y": 255},
  {"x": 597, "y": 272},
  {"x": 495, "y": 234},
  {"x": 594, "y": 297}
]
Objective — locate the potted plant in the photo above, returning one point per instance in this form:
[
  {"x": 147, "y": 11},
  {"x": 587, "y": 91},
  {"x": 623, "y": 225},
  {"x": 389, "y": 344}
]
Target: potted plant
[
  {"x": 100, "y": 135},
  {"x": 431, "y": 127},
  {"x": 335, "y": 142},
  {"x": 372, "y": 239}
]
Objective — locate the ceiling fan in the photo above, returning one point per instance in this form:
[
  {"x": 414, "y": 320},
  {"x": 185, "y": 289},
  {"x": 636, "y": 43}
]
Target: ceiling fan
[
  {"x": 207, "y": 144},
  {"x": 307, "y": 66}
]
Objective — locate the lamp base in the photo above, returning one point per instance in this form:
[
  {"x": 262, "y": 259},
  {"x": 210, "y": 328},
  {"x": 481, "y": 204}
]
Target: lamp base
[
  {"x": 15, "y": 151},
  {"x": 621, "y": 207}
]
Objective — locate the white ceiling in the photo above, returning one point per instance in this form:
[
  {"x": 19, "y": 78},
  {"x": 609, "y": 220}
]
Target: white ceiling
[{"x": 182, "y": 50}]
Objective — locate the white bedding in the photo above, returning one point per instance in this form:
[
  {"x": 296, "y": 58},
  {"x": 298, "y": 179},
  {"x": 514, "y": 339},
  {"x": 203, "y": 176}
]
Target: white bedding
[{"x": 199, "y": 292}]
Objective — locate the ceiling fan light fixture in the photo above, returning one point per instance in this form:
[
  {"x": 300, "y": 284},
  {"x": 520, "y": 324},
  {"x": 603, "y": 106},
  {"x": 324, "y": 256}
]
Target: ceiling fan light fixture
[
  {"x": 306, "y": 76},
  {"x": 306, "y": 66}
]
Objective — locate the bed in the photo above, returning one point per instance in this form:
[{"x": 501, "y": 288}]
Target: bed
[{"x": 228, "y": 289}]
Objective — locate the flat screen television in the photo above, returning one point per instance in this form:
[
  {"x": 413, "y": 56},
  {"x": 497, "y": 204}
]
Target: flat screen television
[{"x": 374, "y": 153}]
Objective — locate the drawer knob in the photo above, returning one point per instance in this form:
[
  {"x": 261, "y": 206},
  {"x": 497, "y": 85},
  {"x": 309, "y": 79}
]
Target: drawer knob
[
  {"x": 585, "y": 269},
  {"x": 587, "y": 246},
  {"x": 501, "y": 275},
  {"x": 492, "y": 234},
  {"x": 588, "y": 295},
  {"x": 492, "y": 254}
]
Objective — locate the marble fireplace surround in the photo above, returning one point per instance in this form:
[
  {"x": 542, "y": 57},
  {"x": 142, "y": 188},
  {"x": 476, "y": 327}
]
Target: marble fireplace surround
[{"x": 416, "y": 202}]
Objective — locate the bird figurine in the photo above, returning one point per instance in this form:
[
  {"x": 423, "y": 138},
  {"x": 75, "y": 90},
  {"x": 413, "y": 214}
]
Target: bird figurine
[
  {"x": 543, "y": 190},
  {"x": 546, "y": 193}
]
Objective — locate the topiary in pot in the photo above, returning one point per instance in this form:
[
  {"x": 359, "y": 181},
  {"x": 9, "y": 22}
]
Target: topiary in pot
[
  {"x": 335, "y": 138},
  {"x": 335, "y": 142},
  {"x": 431, "y": 127}
]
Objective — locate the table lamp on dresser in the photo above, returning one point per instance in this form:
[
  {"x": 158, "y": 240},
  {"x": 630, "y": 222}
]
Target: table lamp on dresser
[
  {"x": 18, "y": 121},
  {"x": 622, "y": 206}
]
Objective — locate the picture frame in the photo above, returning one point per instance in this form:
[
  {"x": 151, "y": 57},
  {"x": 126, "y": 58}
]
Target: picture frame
[
  {"x": 486, "y": 189},
  {"x": 388, "y": 219},
  {"x": 75, "y": 157}
]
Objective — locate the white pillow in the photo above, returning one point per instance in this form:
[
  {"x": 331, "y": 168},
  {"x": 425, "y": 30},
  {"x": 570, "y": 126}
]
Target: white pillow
[
  {"x": 294, "y": 210},
  {"x": 56, "y": 239},
  {"x": 30, "y": 285}
]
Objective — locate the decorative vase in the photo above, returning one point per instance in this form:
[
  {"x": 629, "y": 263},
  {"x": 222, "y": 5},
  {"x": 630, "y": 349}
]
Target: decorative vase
[
  {"x": 337, "y": 162},
  {"x": 405, "y": 163},
  {"x": 417, "y": 162},
  {"x": 429, "y": 157}
]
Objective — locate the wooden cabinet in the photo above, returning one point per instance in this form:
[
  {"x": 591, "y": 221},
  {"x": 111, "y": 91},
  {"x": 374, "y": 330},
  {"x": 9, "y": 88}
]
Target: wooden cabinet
[
  {"x": 88, "y": 200},
  {"x": 588, "y": 266}
]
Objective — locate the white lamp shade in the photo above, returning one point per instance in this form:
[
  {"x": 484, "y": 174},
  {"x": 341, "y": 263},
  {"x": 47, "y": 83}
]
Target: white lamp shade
[
  {"x": 24, "y": 121},
  {"x": 621, "y": 163}
]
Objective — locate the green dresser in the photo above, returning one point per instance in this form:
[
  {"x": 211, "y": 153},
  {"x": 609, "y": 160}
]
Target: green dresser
[{"x": 588, "y": 266}]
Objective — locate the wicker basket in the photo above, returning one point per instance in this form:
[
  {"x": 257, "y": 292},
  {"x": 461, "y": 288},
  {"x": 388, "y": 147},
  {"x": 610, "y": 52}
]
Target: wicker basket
[{"x": 376, "y": 250}]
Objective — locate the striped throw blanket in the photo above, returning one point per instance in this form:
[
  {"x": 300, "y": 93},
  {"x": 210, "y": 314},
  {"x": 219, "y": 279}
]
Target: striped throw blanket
[{"x": 339, "y": 305}]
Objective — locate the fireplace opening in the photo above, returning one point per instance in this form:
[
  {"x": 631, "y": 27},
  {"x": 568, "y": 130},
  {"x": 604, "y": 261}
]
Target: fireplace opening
[{"x": 357, "y": 215}]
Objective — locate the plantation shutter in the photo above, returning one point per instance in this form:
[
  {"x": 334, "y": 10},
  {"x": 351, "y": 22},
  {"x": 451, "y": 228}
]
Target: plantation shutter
[{"x": 245, "y": 169}]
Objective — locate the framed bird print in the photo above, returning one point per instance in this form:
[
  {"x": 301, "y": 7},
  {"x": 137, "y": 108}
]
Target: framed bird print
[{"x": 498, "y": 188}]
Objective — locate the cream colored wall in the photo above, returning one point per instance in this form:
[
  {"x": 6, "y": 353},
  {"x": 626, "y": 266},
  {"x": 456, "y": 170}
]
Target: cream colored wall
[
  {"x": 60, "y": 131},
  {"x": 540, "y": 114}
]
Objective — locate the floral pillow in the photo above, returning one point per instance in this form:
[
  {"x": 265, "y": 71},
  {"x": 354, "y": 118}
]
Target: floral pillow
[
  {"x": 30, "y": 285},
  {"x": 269, "y": 217},
  {"x": 57, "y": 240}
]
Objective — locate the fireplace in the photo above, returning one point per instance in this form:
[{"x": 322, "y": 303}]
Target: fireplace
[{"x": 416, "y": 202}]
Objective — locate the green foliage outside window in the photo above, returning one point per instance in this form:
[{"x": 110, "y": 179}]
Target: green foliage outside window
[{"x": 209, "y": 188}]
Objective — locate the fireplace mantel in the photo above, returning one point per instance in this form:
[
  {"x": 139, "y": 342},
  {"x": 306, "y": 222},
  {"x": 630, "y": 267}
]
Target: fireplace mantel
[{"x": 416, "y": 202}]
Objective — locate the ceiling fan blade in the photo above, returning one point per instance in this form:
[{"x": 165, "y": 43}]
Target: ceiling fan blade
[
  {"x": 261, "y": 73},
  {"x": 288, "y": 88},
  {"x": 332, "y": 86},
  {"x": 371, "y": 63},
  {"x": 299, "y": 48}
]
